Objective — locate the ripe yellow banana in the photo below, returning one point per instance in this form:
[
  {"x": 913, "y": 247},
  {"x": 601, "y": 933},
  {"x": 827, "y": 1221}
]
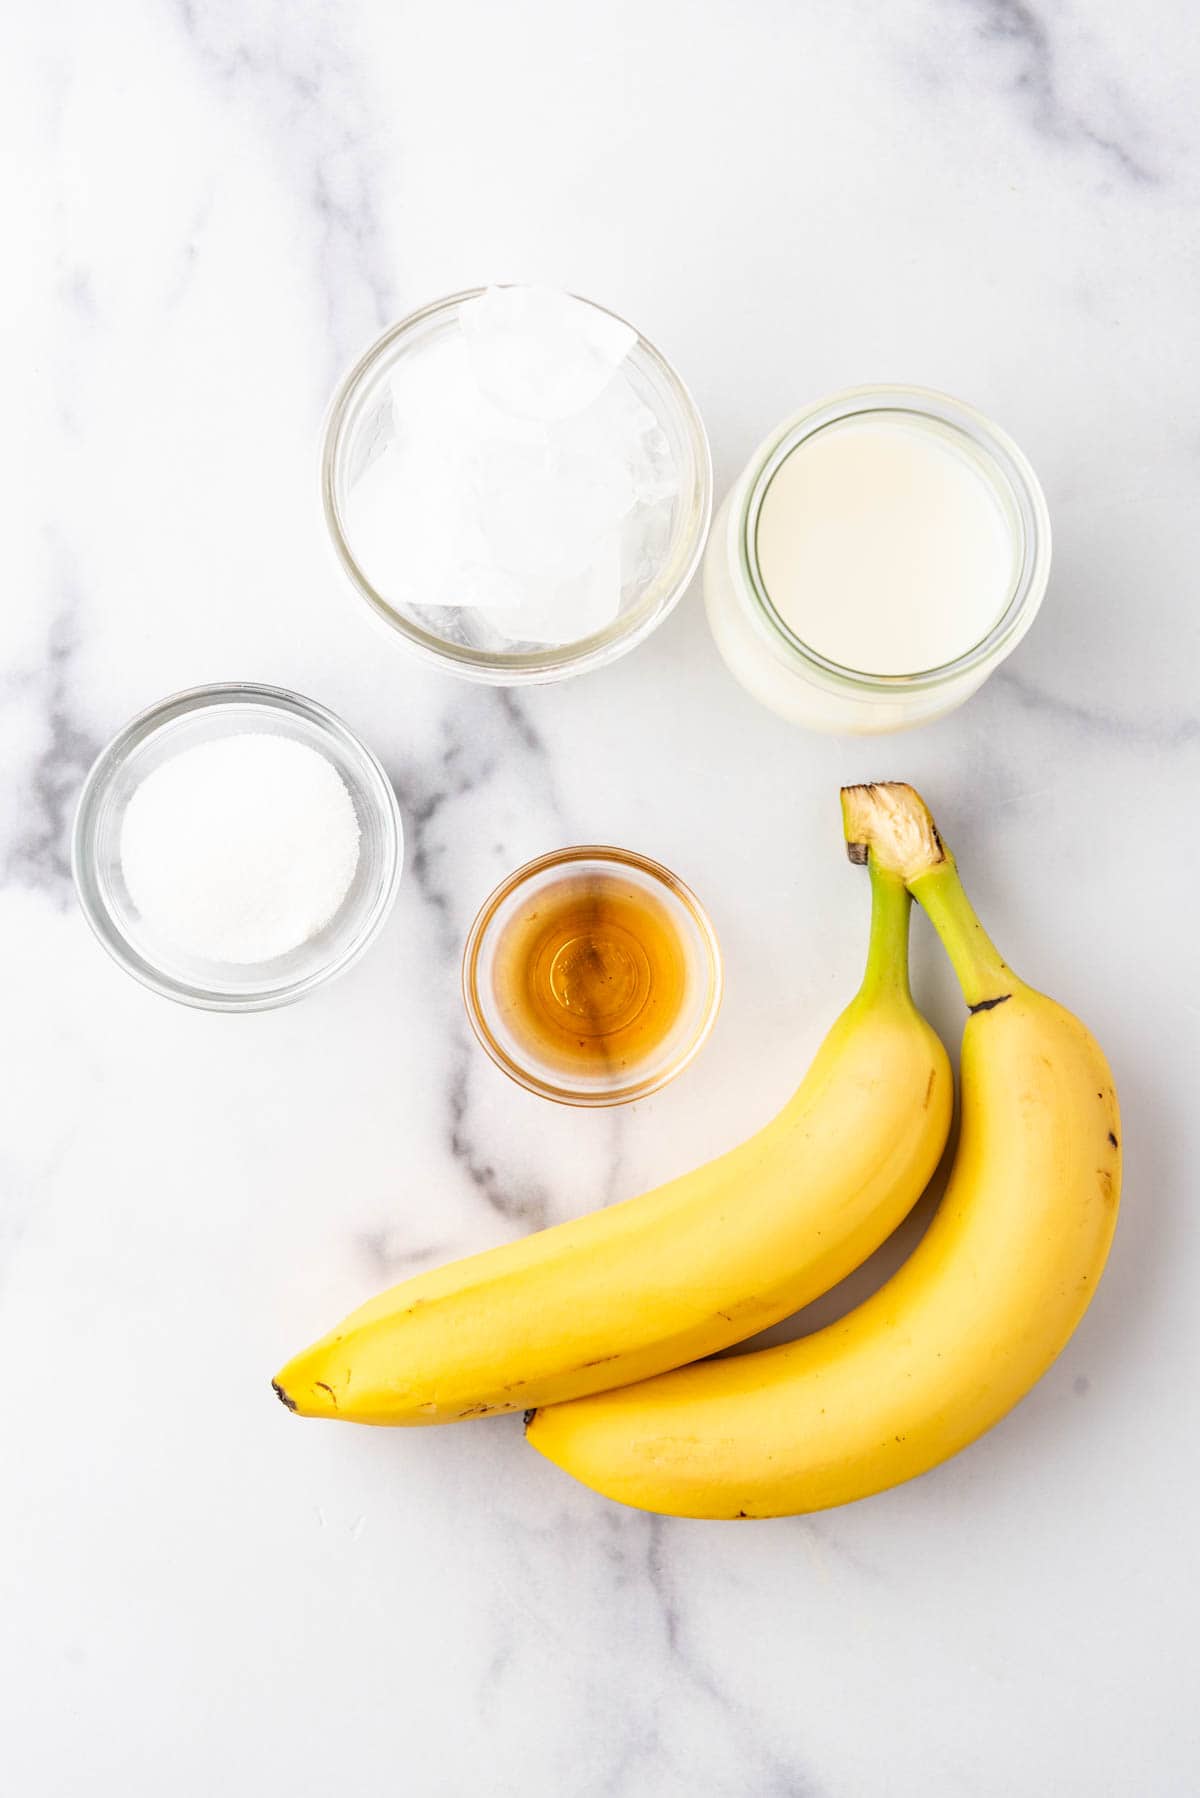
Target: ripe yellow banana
[
  {"x": 683, "y": 1270},
  {"x": 968, "y": 1324}
]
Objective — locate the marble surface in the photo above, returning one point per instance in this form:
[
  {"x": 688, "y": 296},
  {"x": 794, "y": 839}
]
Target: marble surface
[{"x": 211, "y": 207}]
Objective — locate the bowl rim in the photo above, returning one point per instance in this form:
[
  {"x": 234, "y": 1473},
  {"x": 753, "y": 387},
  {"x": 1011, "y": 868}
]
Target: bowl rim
[
  {"x": 112, "y": 757},
  {"x": 558, "y": 858},
  {"x": 503, "y": 668}
]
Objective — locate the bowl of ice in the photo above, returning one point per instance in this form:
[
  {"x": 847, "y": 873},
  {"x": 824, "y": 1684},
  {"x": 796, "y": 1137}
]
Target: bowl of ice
[{"x": 517, "y": 482}]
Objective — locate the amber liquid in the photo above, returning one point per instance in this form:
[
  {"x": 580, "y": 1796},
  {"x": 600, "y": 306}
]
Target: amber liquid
[{"x": 591, "y": 974}]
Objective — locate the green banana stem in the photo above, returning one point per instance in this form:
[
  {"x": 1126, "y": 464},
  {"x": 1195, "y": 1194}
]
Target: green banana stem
[
  {"x": 889, "y": 825},
  {"x": 887, "y": 951},
  {"x": 985, "y": 977}
]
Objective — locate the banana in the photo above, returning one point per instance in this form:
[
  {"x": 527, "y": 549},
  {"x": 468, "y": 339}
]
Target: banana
[
  {"x": 680, "y": 1271},
  {"x": 964, "y": 1328}
]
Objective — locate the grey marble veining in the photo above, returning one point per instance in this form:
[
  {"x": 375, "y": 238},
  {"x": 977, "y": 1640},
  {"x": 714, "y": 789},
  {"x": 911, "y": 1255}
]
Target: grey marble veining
[
  {"x": 39, "y": 852},
  {"x": 301, "y": 76},
  {"x": 1023, "y": 45},
  {"x": 1169, "y": 729},
  {"x": 215, "y": 208}
]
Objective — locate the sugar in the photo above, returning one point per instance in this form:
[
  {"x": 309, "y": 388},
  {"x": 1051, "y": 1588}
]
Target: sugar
[
  {"x": 240, "y": 849},
  {"x": 523, "y": 477}
]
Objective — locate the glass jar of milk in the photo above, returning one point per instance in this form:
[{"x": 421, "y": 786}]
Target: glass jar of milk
[{"x": 882, "y": 552}]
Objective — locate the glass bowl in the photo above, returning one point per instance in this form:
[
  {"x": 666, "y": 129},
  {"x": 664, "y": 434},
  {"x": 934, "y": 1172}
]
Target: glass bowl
[
  {"x": 520, "y": 929},
  {"x": 181, "y": 722},
  {"x": 361, "y": 426}
]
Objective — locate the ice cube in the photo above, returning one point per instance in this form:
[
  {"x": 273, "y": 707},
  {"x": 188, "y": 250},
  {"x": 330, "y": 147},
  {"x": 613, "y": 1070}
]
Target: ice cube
[
  {"x": 621, "y": 420},
  {"x": 542, "y": 510},
  {"x": 527, "y": 479},
  {"x": 435, "y": 397},
  {"x": 537, "y": 353},
  {"x": 646, "y": 543},
  {"x": 564, "y": 608},
  {"x": 402, "y": 519}
]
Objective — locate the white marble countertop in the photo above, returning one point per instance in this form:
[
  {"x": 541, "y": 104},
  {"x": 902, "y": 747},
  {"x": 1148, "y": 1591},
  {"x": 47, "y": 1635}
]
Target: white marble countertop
[{"x": 211, "y": 207}]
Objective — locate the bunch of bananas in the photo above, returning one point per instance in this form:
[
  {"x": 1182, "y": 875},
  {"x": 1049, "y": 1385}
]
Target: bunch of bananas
[{"x": 596, "y": 1328}]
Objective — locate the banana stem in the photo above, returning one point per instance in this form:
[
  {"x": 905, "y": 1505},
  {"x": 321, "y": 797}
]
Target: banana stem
[
  {"x": 985, "y": 977},
  {"x": 888, "y": 825},
  {"x": 887, "y": 951}
]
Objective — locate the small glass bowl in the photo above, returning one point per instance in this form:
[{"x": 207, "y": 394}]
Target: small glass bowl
[
  {"x": 517, "y": 899},
  {"x": 360, "y": 423},
  {"x": 181, "y": 722}
]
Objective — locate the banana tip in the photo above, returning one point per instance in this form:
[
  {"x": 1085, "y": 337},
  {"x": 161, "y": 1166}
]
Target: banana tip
[{"x": 282, "y": 1396}]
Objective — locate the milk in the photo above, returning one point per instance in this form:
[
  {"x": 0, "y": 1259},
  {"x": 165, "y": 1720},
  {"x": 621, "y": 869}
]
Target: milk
[
  {"x": 879, "y": 556},
  {"x": 884, "y": 546}
]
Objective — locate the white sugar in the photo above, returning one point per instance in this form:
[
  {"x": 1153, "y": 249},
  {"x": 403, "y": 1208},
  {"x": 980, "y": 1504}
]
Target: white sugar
[
  {"x": 240, "y": 849},
  {"x": 522, "y": 477}
]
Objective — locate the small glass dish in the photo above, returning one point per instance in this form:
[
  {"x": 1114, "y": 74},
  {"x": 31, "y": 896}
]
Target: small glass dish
[
  {"x": 616, "y": 952},
  {"x": 360, "y": 428},
  {"x": 179, "y": 723}
]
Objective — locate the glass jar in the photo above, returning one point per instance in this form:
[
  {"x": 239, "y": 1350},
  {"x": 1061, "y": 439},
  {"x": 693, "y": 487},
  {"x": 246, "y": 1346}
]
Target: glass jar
[
  {"x": 460, "y": 640},
  {"x": 794, "y": 679}
]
